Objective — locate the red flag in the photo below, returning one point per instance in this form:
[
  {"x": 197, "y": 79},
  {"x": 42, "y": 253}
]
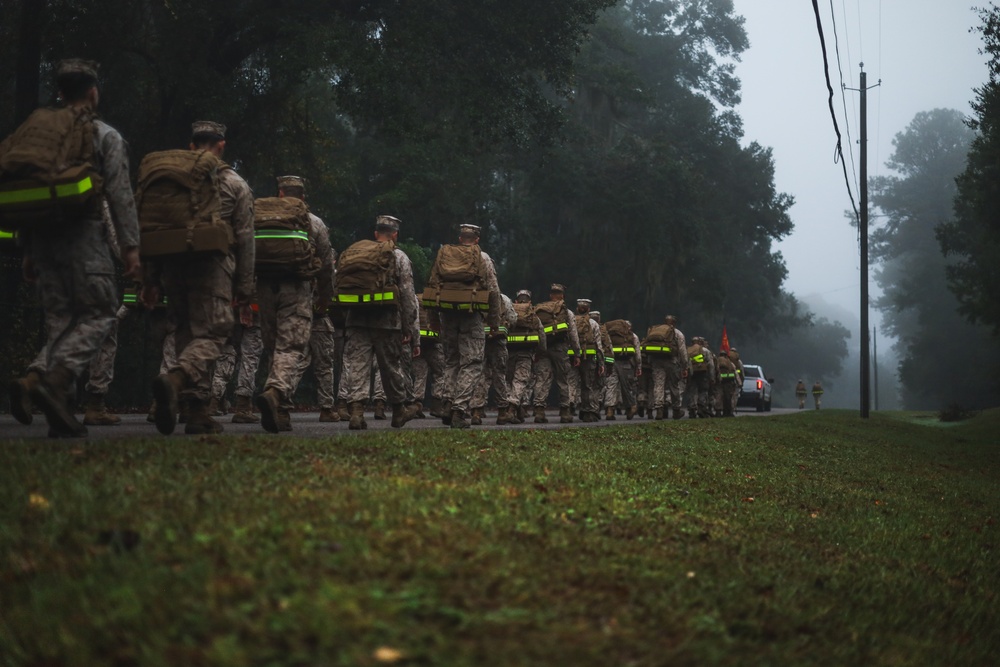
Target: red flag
[{"x": 725, "y": 340}]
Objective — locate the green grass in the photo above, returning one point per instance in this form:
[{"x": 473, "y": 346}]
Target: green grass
[{"x": 809, "y": 539}]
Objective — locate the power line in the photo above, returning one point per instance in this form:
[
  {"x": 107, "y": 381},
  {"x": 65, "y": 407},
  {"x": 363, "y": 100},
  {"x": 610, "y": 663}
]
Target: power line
[
  {"x": 843, "y": 93},
  {"x": 833, "y": 114}
]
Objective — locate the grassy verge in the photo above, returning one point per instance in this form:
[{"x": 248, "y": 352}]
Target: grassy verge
[{"x": 807, "y": 539}]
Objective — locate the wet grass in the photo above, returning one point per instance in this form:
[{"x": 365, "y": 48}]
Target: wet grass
[{"x": 807, "y": 539}]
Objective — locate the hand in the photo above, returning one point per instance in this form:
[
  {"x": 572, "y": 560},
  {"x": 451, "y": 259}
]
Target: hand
[
  {"x": 600, "y": 370},
  {"x": 416, "y": 351},
  {"x": 638, "y": 372},
  {"x": 28, "y": 269},
  {"x": 133, "y": 267},
  {"x": 684, "y": 374},
  {"x": 246, "y": 315},
  {"x": 576, "y": 361},
  {"x": 150, "y": 295}
]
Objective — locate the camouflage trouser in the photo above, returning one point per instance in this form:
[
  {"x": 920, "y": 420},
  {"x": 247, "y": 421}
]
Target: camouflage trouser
[
  {"x": 102, "y": 368},
  {"x": 429, "y": 363},
  {"x": 624, "y": 382},
  {"x": 168, "y": 358},
  {"x": 285, "y": 322},
  {"x": 251, "y": 349},
  {"x": 816, "y": 399},
  {"x": 199, "y": 296},
  {"x": 520, "y": 364},
  {"x": 727, "y": 398},
  {"x": 801, "y": 398},
  {"x": 696, "y": 394},
  {"x": 377, "y": 386},
  {"x": 553, "y": 364},
  {"x": 644, "y": 387},
  {"x": 464, "y": 343},
  {"x": 494, "y": 375},
  {"x": 319, "y": 354},
  {"x": 225, "y": 366},
  {"x": 668, "y": 384},
  {"x": 361, "y": 346},
  {"x": 78, "y": 293},
  {"x": 587, "y": 379}
]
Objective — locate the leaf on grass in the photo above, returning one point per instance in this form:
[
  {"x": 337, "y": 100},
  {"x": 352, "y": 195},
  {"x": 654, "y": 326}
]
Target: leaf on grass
[
  {"x": 387, "y": 654},
  {"x": 38, "y": 501},
  {"x": 748, "y": 499}
]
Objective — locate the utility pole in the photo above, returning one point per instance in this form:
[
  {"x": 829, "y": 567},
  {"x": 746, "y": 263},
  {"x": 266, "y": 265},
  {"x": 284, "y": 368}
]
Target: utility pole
[
  {"x": 863, "y": 235},
  {"x": 865, "y": 358}
]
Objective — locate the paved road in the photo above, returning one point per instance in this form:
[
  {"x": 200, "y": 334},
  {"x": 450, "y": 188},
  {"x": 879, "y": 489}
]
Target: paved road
[{"x": 306, "y": 424}]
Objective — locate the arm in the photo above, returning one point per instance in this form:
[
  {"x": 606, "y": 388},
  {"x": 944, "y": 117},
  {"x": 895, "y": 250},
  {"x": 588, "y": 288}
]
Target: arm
[
  {"x": 237, "y": 209},
  {"x": 324, "y": 280},
  {"x": 119, "y": 198},
  {"x": 409, "y": 311}
]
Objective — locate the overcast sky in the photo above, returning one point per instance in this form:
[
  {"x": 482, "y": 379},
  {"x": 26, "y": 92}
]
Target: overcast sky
[{"x": 926, "y": 57}]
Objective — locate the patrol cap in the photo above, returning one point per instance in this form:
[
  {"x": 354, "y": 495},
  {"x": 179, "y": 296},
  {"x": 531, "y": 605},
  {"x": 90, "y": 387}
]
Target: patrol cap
[
  {"x": 595, "y": 313},
  {"x": 469, "y": 229},
  {"x": 524, "y": 292},
  {"x": 77, "y": 66},
  {"x": 557, "y": 287},
  {"x": 208, "y": 129},
  {"x": 583, "y": 302},
  {"x": 386, "y": 223},
  {"x": 291, "y": 182}
]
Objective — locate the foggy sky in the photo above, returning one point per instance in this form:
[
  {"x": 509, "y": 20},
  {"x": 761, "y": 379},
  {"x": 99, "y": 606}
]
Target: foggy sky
[{"x": 926, "y": 57}]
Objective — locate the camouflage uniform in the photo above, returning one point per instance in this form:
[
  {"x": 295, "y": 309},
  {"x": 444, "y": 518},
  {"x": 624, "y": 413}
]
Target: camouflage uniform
[
  {"x": 430, "y": 362},
  {"x": 591, "y": 365},
  {"x": 376, "y": 334},
  {"x": 555, "y": 363},
  {"x": 521, "y": 361},
  {"x": 76, "y": 286},
  {"x": 622, "y": 383},
  {"x": 668, "y": 376},
  {"x": 286, "y": 319},
  {"x": 697, "y": 394},
  {"x": 463, "y": 335},
  {"x": 495, "y": 362},
  {"x": 199, "y": 292},
  {"x": 319, "y": 355}
]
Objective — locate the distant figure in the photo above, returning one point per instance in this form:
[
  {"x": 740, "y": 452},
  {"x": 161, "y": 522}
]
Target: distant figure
[
  {"x": 800, "y": 393},
  {"x": 817, "y": 391}
]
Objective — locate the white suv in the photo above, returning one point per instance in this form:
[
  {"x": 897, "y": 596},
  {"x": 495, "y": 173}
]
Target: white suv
[{"x": 756, "y": 389}]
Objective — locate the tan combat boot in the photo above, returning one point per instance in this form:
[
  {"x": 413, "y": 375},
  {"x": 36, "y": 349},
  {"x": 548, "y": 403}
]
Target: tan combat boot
[
  {"x": 20, "y": 396},
  {"x": 505, "y": 415},
  {"x": 329, "y": 415},
  {"x": 342, "y": 409},
  {"x": 96, "y": 413},
  {"x": 358, "y": 422},
  {"x": 284, "y": 419},
  {"x": 243, "y": 411},
  {"x": 199, "y": 421},
  {"x": 659, "y": 413},
  {"x": 166, "y": 392},
  {"x": 51, "y": 396},
  {"x": 609, "y": 414},
  {"x": 540, "y": 417},
  {"x": 566, "y": 415},
  {"x": 632, "y": 411},
  {"x": 678, "y": 414},
  {"x": 402, "y": 413},
  {"x": 477, "y": 417},
  {"x": 458, "y": 419},
  {"x": 268, "y": 403},
  {"x": 379, "y": 412},
  {"x": 214, "y": 407}
]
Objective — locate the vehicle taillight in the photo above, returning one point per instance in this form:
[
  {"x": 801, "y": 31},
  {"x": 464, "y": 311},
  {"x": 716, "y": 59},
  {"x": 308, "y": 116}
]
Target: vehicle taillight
[{"x": 760, "y": 385}]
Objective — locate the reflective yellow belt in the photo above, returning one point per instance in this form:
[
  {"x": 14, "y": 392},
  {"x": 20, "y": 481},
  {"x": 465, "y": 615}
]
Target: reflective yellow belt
[
  {"x": 269, "y": 234},
  {"x": 376, "y": 297},
  {"x": 556, "y": 328},
  {"x": 655, "y": 348},
  {"x": 54, "y": 192},
  {"x": 628, "y": 349},
  {"x": 530, "y": 338},
  {"x": 429, "y": 333}
]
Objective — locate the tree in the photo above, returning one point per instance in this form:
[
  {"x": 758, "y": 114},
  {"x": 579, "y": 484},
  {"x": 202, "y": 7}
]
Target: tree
[
  {"x": 942, "y": 358},
  {"x": 973, "y": 238}
]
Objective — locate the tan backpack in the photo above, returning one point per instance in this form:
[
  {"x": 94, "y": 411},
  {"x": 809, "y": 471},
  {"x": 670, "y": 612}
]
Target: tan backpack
[
  {"x": 661, "y": 340},
  {"x": 727, "y": 369},
  {"x": 366, "y": 275},
  {"x": 585, "y": 333},
  {"x": 178, "y": 203},
  {"x": 554, "y": 318},
  {"x": 47, "y": 170},
  {"x": 526, "y": 319},
  {"x": 619, "y": 332},
  {"x": 282, "y": 245},
  {"x": 457, "y": 280},
  {"x": 696, "y": 355}
]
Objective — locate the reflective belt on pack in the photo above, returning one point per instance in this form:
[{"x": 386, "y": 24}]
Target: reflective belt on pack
[
  {"x": 590, "y": 352},
  {"x": 628, "y": 349},
  {"x": 7, "y": 236},
  {"x": 530, "y": 338},
  {"x": 698, "y": 358},
  {"x": 556, "y": 328},
  {"x": 54, "y": 192},
  {"x": 500, "y": 330},
  {"x": 269, "y": 234},
  {"x": 130, "y": 298},
  {"x": 609, "y": 360},
  {"x": 377, "y": 297},
  {"x": 655, "y": 348},
  {"x": 431, "y": 303},
  {"x": 726, "y": 376},
  {"x": 429, "y": 333}
]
